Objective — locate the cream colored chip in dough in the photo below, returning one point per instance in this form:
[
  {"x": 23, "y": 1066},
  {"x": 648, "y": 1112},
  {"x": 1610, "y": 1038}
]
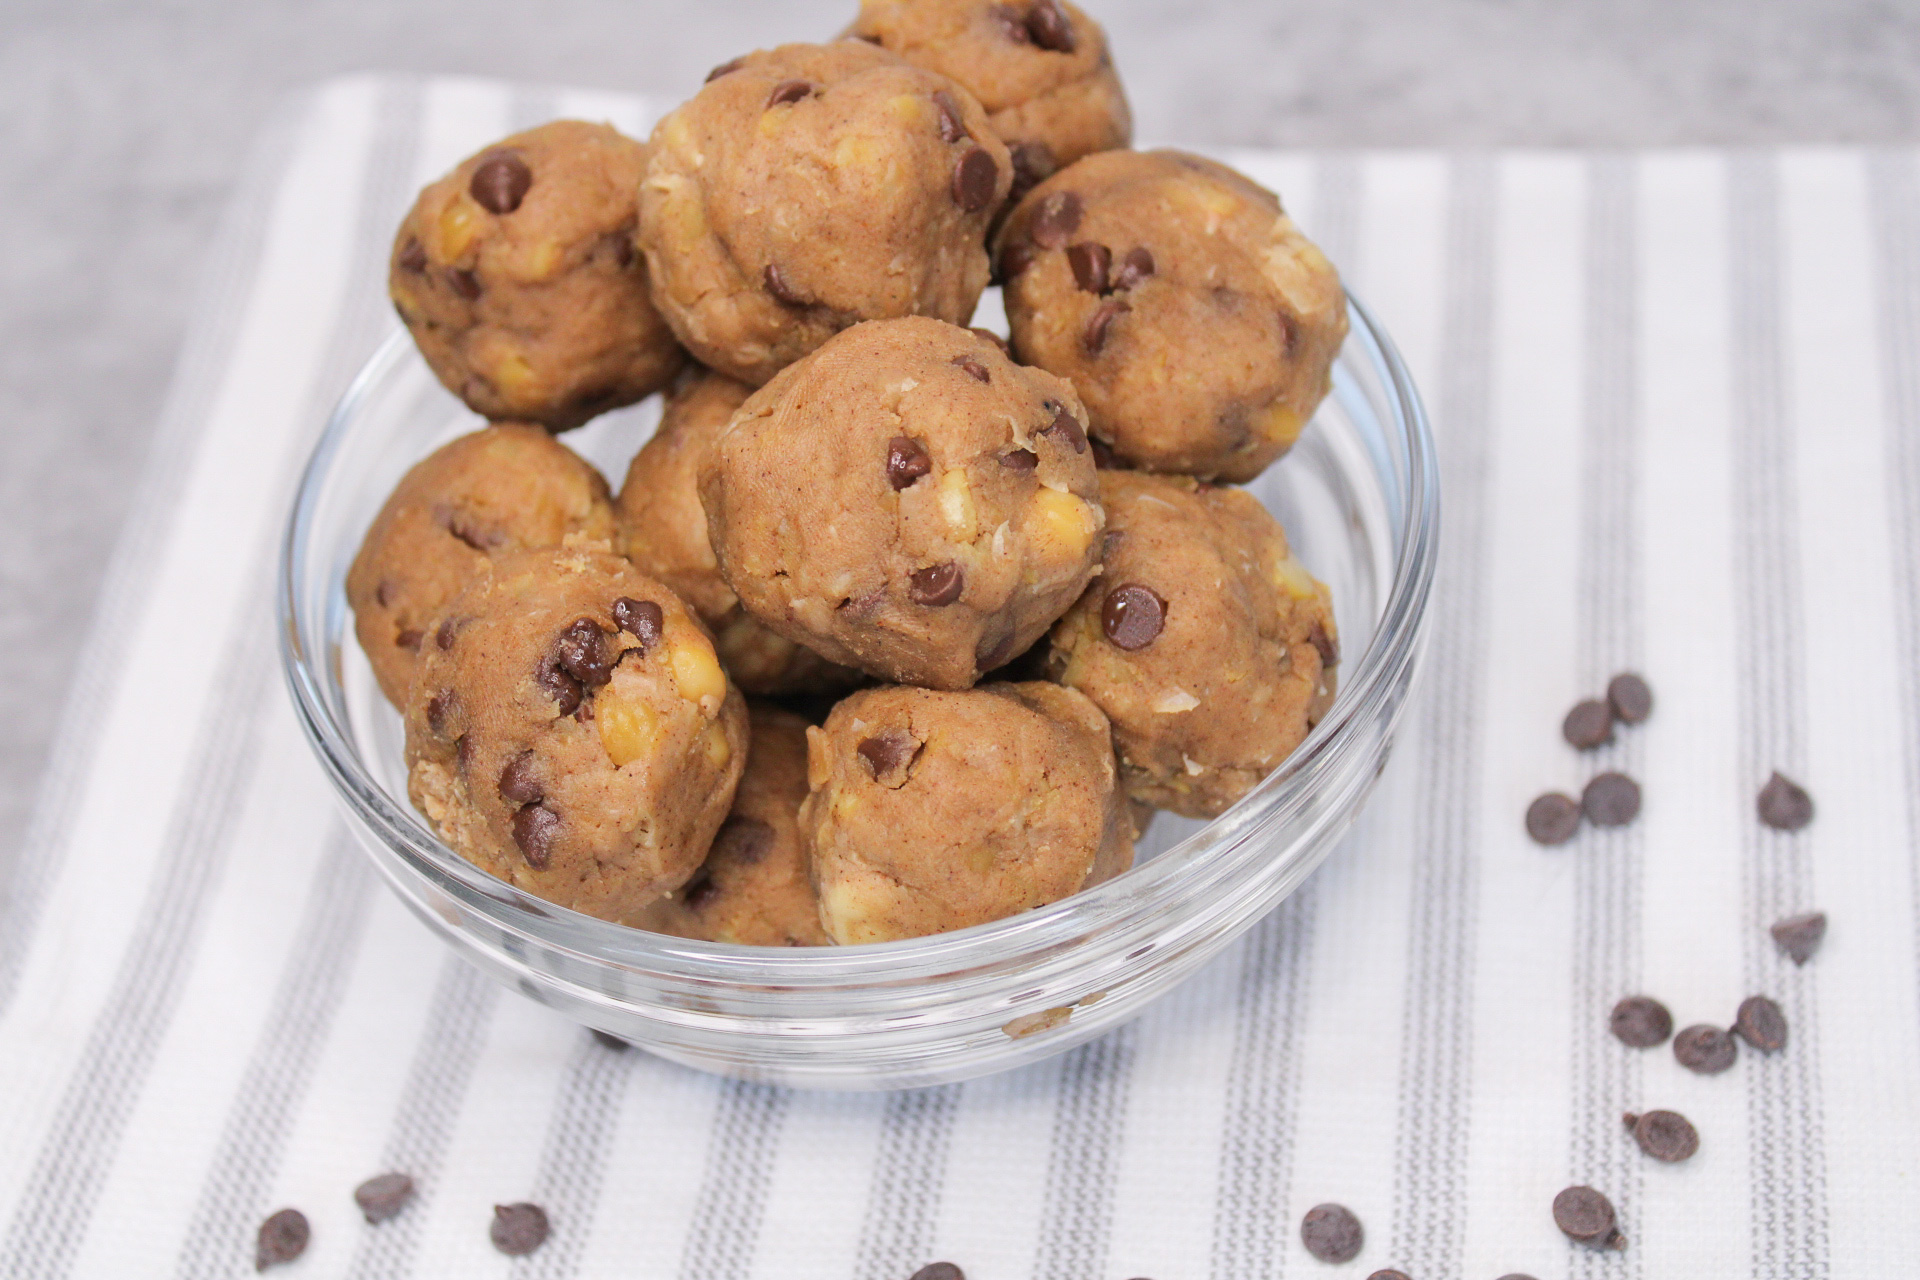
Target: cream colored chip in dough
[
  {"x": 908, "y": 501},
  {"x": 1196, "y": 322},
  {"x": 933, "y": 810}
]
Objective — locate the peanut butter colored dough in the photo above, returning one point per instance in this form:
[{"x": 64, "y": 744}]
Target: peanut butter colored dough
[
  {"x": 1041, "y": 68},
  {"x": 811, "y": 187},
  {"x": 663, "y": 530},
  {"x": 906, "y": 500},
  {"x": 507, "y": 488},
  {"x": 753, "y": 888},
  {"x": 937, "y": 810},
  {"x": 518, "y": 276},
  {"x": 1196, "y": 322},
  {"x": 1204, "y": 641},
  {"x": 574, "y": 734}
]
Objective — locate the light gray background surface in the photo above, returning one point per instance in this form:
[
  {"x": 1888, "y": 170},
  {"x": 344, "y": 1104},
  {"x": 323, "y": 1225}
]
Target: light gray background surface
[{"x": 123, "y": 124}]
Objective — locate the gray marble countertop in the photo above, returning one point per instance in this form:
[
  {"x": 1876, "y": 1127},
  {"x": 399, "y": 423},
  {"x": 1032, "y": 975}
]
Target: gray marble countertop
[{"x": 123, "y": 124}]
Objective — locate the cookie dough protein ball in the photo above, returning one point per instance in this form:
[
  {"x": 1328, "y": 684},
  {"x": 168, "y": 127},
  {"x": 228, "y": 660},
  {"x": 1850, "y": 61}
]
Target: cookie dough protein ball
[
  {"x": 518, "y": 276},
  {"x": 1041, "y": 69},
  {"x": 1197, "y": 323},
  {"x": 1204, "y": 641},
  {"x": 809, "y": 188},
  {"x": 906, "y": 500},
  {"x": 753, "y": 888},
  {"x": 507, "y": 488},
  {"x": 935, "y": 810},
  {"x": 570, "y": 730},
  {"x": 664, "y": 532}
]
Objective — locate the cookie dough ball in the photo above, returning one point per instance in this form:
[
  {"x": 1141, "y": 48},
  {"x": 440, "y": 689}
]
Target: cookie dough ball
[
  {"x": 507, "y": 488},
  {"x": 517, "y": 275},
  {"x": 570, "y": 730},
  {"x": 1204, "y": 641},
  {"x": 664, "y": 532},
  {"x": 1197, "y": 323},
  {"x": 936, "y": 810},
  {"x": 809, "y": 188},
  {"x": 1041, "y": 69},
  {"x": 906, "y": 500},
  {"x": 753, "y": 888}
]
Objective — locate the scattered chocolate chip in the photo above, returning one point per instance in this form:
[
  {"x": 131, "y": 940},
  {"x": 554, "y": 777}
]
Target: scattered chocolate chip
[
  {"x": 975, "y": 175},
  {"x": 937, "y": 584},
  {"x": 518, "y": 1229},
  {"x": 1090, "y": 261},
  {"x": 1640, "y": 1022},
  {"x": 698, "y": 890},
  {"x": 788, "y": 91},
  {"x": 1784, "y": 804},
  {"x": 1094, "y": 338},
  {"x": 1586, "y": 1216},
  {"x": 1611, "y": 800},
  {"x": 1331, "y": 1233},
  {"x": 1706, "y": 1050},
  {"x": 501, "y": 182},
  {"x": 1055, "y": 221},
  {"x": 782, "y": 291},
  {"x": 726, "y": 68},
  {"x": 383, "y": 594},
  {"x": 991, "y": 655},
  {"x": 444, "y": 634},
  {"x": 1388, "y": 1273},
  {"x": 1015, "y": 256},
  {"x": 1110, "y": 540},
  {"x": 1104, "y": 458},
  {"x": 907, "y": 461},
  {"x": 410, "y": 638},
  {"x": 1323, "y": 644},
  {"x": 742, "y": 840},
  {"x": 1588, "y": 725},
  {"x": 1667, "y": 1136},
  {"x": 939, "y": 1271},
  {"x": 1761, "y": 1023},
  {"x": 382, "y": 1196},
  {"x": 1020, "y": 460},
  {"x": 413, "y": 256},
  {"x": 1133, "y": 616},
  {"x": 988, "y": 335},
  {"x": 437, "y": 707},
  {"x": 610, "y": 1041},
  {"x": 1066, "y": 426},
  {"x": 620, "y": 243},
  {"x": 1033, "y": 164},
  {"x": 520, "y": 780},
  {"x": 1136, "y": 266},
  {"x": 463, "y": 525},
  {"x": 1012, "y": 25},
  {"x": 464, "y": 282},
  {"x": 1516, "y": 1275},
  {"x": 535, "y": 828},
  {"x": 1630, "y": 698},
  {"x": 1553, "y": 818},
  {"x": 888, "y": 752},
  {"x": 972, "y": 368},
  {"x": 644, "y": 620},
  {"x": 1799, "y": 936},
  {"x": 583, "y": 653},
  {"x": 282, "y": 1238},
  {"x": 463, "y": 750},
  {"x": 1050, "y": 27},
  {"x": 952, "y": 128}
]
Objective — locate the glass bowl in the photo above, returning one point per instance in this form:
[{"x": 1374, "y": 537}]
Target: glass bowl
[{"x": 1359, "y": 501}]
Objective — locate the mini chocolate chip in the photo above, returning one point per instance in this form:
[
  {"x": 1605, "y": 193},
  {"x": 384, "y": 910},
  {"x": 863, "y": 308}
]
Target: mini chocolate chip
[
  {"x": 534, "y": 829},
  {"x": 788, "y": 91},
  {"x": 972, "y": 368},
  {"x": 1588, "y": 725},
  {"x": 742, "y": 840},
  {"x": 1089, "y": 261},
  {"x": 907, "y": 461},
  {"x": 1630, "y": 698},
  {"x": 282, "y": 1238},
  {"x": 988, "y": 335},
  {"x": 1325, "y": 645},
  {"x": 1640, "y": 1022},
  {"x": 698, "y": 890},
  {"x": 989, "y": 656},
  {"x": 520, "y": 780},
  {"x": 1761, "y": 1023},
  {"x": 1331, "y": 1233},
  {"x": 1799, "y": 936},
  {"x": 726, "y": 68},
  {"x": 1611, "y": 800},
  {"x": 1667, "y": 1136},
  {"x": 1586, "y": 1216},
  {"x": 1066, "y": 426},
  {"x": 939, "y": 1271},
  {"x": 583, "y": 652},
  {"x": 1033, "y": 164},
  {"x": 413, "y": 255},
  {"x": 501, "y": 182},
  {"x": 1706, "y": 1050},
  {"x": 644, "y": 620},
  {"x": 1133, "y": 616},
  {"x": 1055, "y": 221},
  {"x": 1094, "y": 338},
  {"x": 1388, "y": 1273},
  {"x": 952, "y": 127},
  {"x": 464, "y": 282},
  {"x": 445, "y": 633},
  {"x": 1136, "y": 266},
  {"x": 1784, "y": 804},
  {"x": 1110, "y": 542},
  {"x": 1012, "y": 25},
  {"x": 1104, "y": 458},
  {"x": 382, "y": 1196},
  {"x": 1050, "y": 27},
  {"x": 463, "y": 750},
  {"x": 1020, "y": 460},
  {"x": 1516, "y": 1275},
  {"x": 624, "y": 253},
  {"x": 888, "y": 752},
  {"x": 463, "y": 525},
  {"x": 383, "y": 594},
  {"x": 610, "y": 1041},
  {"x": 1015, "y": 256},
  {"x": 410, "y": 639},
  {"x": 937, "y": 585},
  {"x": 437, "y": 707},
  {"x": 1553, "y": 818},
  {"x": 974, "y": 177},
  {"x": 782, "y": 291},
  {"x": 518, "y": 1229}
]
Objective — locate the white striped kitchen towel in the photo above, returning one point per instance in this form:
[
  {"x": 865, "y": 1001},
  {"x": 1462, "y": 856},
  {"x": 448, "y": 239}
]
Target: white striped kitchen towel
[{"x": 1678, "y": 397}]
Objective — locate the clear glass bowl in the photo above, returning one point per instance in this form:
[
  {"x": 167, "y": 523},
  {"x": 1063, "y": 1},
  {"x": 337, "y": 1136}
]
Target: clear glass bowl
[{"x": 1359, "y": 501}]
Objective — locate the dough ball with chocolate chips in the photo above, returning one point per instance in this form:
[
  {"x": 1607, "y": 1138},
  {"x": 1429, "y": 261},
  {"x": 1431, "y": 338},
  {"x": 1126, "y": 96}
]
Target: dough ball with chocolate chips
[
  {"x": 753, "y": 888},
  {"x": 809, "y": 188},
  {"x": 906, "y": 500},
  {"x": 1041, "y": 69},
  {"x": 936, "y": 810},
  {"x": 507, "y": 488},
  {"x": 1197, "y": 323},
  {"x": 663, "y": 530},
  {"x": 1203, "y": 640},
  {"x": 576, "y": 736},
  {"x": 518, "y": 276}
]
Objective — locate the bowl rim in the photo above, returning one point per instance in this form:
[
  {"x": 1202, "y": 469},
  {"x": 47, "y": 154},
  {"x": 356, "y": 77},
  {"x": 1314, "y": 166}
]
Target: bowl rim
[{"x": 1227, "y": 848}]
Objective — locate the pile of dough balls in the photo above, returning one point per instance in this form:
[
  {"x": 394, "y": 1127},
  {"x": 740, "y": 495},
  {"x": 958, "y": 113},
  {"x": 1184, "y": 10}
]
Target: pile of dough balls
[{"x": 894, "y": 626}]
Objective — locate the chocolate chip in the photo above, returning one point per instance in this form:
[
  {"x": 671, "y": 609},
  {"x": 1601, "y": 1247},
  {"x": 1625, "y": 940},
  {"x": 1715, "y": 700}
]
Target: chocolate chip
[
  {"x": 644, "y": 620},
  {"x": 1331, "y": 1233},
  {"x": 1012, "y": 25},
  {"x": 698, "y": 890},
  {"x": 410, "y": 639},
  {"x": 1090, "y": 261},
  {"x": 1588, "y": 725},
  {"x": 1015, "y": 256},
  {"x": 888, "y": 752},
  {"x": 1094, "y": 338},
  {"x": 974, "y": 177},
  {"x": 1799, "y": 936},
  {"x": 1640, "y": 1022},
  {"x": 1761, "y": 1023},
  {"x": 1706, "y": 1050},
  {"x": 1104, "y": 458},
  {"x": 782, "y": 291},
  {"x": 501, "y": 182},
  {"x": 1784, "y": 804},
  {"x": 282, "y": 1238},
  {"x": 952, "y": 127},
  {"x": 988, "y": 335},
  {"x": 583, "y": 653},
  {"x": 1110, "y": 540},
  {"x": 1553, "y": 818},
  {"x": 991, "y": 655},
  {"x": 476, "y": 533},
  {"x": 1323, "y": 644},
  {"x": 907, "y": 461},
  {"x": 535, "y": 828},
  {"x": 413, "y": 256},
  {"x": 1055, "y": 221},
  {"x": 937, "y": 584},
  {"x": 610, "y": 1041},
  {"x": 1630, "y": 698},
  {"x": 1388, "y": 1273},
  {"x": 1033, "y": 164},
  {"x": 518, "y": 1229},
  {"x": 1020, "y": 460},
  {"x": 1136, "y": 266},
  {"x": 1516, "y": 1275},
  {"x": 788, "y": 91},
  {"x": 1667, "y": 1136},
  {"x": 1586, "y": 1216},
  {"x": 383, "y": 1196},
  {"x": 444, "y": 634},
  {"x": 1611, "y": 800},
  {"x": 939, "y": 1271},
  {"x": 1133, "y": 616},
  {"x": 742, "y": 840},
  {"x": 1050, "y": 27},
  {"x": 1065, "y": 425},
  {"x": 726, "y": 68},
  {"x": 437, "y": 707},
  {"x": 520, "y": 781},
  {"x": 464, "y": 282},
  {"x": 620, "y": 244},
  {"x": 463, "y": 750},
  {"x": 972, "y": 368}
]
